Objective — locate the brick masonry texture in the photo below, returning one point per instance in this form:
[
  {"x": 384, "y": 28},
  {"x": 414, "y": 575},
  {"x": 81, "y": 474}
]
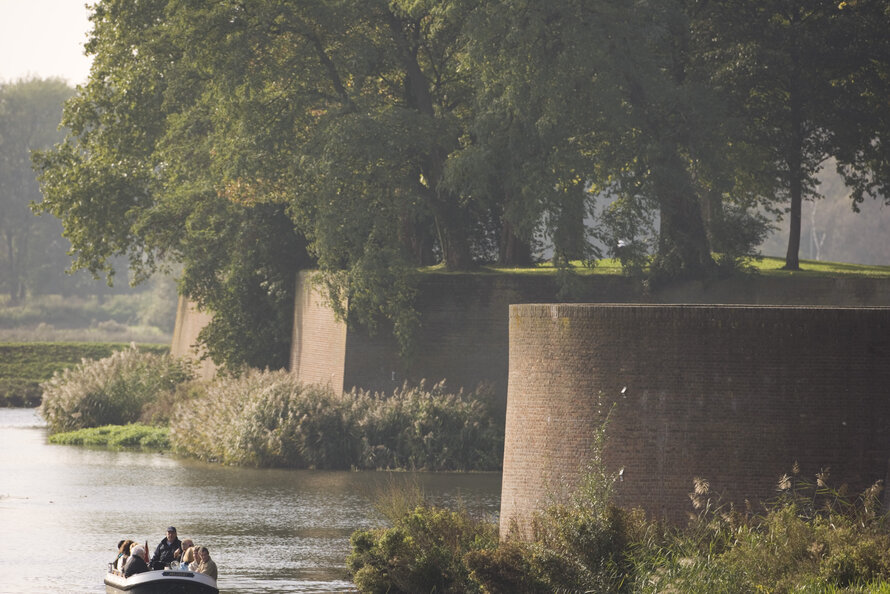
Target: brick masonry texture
[
  {"x": 464, "y": 334},
  {"x": 189, "y": 323},
  {"x": 732, "y": 394}
]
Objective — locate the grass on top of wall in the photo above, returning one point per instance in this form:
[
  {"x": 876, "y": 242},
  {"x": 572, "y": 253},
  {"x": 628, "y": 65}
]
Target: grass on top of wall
[
  {"x": 25, "y": 365},
  {"x": 767, "y": 266}
]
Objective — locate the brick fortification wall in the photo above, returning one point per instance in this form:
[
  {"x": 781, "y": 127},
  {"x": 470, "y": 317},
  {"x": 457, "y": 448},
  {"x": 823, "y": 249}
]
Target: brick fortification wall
[
  {"x": 732, "y": 394},
  {"x": 189, "y": 323},
  {"x": 464, "y": 324},
  {"x": 318, "y": 343}
]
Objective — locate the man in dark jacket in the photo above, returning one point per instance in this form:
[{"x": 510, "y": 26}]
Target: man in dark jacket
[
  {"x": 164, "y": 553},
  {"x": 135, "y": 564}
]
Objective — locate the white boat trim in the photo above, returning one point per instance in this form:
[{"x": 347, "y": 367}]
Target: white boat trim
[{"x": 116, "y": 582}]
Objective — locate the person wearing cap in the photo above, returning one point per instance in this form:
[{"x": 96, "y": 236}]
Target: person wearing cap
[
  {"x": 135, "y": 563},
  {"x": 164, "y": 553}
]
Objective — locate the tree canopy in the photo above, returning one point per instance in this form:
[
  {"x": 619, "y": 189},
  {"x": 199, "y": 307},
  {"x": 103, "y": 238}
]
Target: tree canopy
[{"x": 366, "y": 138}]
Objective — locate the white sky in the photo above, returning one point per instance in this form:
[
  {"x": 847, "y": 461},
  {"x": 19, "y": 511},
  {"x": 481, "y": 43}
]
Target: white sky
[{"x": 43, "y": 38}]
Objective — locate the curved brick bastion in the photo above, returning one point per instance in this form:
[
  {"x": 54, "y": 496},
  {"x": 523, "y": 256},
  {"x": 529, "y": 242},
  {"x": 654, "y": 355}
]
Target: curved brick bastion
[{"x": 732, "y": 394}]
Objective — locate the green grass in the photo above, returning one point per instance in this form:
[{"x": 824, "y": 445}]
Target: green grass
[
  {"x": 23, "y": 366},
  {"x": 767, "y": 266},
  {"x": 133, "y": 436}
]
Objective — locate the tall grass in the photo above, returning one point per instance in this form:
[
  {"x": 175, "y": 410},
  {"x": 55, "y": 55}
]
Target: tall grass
[
  {"x": 809, "y": 539},
  {"x": 26, "y": 365},
  {"x": 109, "y": 391},
  {"x": 271, "y": 419}
]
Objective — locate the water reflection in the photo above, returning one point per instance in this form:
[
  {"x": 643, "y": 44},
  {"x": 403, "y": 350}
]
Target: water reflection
[{"x": 63, "y": 509}]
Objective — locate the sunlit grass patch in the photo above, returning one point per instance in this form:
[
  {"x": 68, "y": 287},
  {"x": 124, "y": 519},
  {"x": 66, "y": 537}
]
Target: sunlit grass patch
[{"x": 133, "y": 436}]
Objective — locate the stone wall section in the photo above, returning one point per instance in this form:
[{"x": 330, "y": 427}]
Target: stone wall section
[
  {"x": 464, "y": 333},
  {"x": 189, "y": 323},
  {"x": 318, "y": 346},
  {"x": 732, "y": 394}
]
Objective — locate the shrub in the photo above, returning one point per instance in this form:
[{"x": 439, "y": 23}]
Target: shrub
[
  {"x": 267, "y": 419},
  {"x": 271, "y": 419},
  {"x": 422, "y": 552},
  {"x": 110, "y": 391},
  {"x": 429, "y": 429},
  {"x": 24, "y": 366}
]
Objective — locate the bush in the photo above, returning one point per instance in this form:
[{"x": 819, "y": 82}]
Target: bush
[
  {"x": 270, "y": 419},
  {"x": 416, "y": 429},
  {"x": 267, "y": 419},
  {"x": 423, "y": 552},
  {"x": 110, "y": 391}
]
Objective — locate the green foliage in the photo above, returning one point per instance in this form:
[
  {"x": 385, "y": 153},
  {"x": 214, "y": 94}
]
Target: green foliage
[
  {"x": 271, "y": 419},
  {"x": 810, "y": 539},
  {"x": 365, "y": 139},
  {"x": 112, "y": 390},
  {"x": 24, "y": 366},
  {"x": 133, "y": 436},
  {"x": 422, "y": 552}
]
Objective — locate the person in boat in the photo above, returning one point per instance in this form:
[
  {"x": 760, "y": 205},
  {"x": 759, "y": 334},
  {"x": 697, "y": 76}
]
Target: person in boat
[
  {"x": 123, "y": 553},
  {"x": 189, "y": 558},
  {"x": 186, "y": 544},
  {"x": 136, "y": 563},
  {"x": 206, "y": 565},
  {"x": 164, "y": 553}
]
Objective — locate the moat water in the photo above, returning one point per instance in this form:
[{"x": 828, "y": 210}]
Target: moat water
[{"x": 63, "y": 510}]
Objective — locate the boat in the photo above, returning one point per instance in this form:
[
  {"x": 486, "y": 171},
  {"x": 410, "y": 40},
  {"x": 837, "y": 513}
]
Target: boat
[{"x": 160, "y": 581}]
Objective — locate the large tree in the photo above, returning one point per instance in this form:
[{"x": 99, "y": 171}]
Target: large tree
[
  {"x": 606, "y": 94},
  {"x": 139, "y": 175},
  {"x": 810, "y": 80}
]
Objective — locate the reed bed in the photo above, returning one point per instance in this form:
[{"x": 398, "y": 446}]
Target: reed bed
[
  {"x": 110, "y": 391},
  {"x": 270, "y": 419}
]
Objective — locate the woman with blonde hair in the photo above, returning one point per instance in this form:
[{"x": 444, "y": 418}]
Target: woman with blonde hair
[{"x": 189, "y": 558}]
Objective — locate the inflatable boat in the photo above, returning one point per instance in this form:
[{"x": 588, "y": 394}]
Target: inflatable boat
[{"x": 161, "y": 581}]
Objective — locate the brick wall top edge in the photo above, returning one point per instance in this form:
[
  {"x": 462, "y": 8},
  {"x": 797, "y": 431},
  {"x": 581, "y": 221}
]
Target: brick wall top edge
[{"x": 547, "y": 309}]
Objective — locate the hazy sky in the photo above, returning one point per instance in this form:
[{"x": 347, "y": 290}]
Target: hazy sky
[{"x": 43, "y": 38}]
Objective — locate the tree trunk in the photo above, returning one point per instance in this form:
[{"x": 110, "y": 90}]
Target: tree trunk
[
  {"x": 795, "y": 173},
  {"x": 514, "y": 251},
  {"x": 683, "y": 248},
  {"x": 451, "y": 225}
]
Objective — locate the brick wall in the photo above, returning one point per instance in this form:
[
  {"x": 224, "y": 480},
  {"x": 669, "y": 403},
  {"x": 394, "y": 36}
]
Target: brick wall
[
  {"x": 733, "y": 394},
  {"x": 318, "y": 345},
  {"x": 465, "y": 323},
  {"x": 189, "y": 323}
]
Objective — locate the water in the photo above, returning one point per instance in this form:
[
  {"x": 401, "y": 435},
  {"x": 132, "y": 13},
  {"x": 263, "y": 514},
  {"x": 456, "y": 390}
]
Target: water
[{"x": 63, "y": 510}]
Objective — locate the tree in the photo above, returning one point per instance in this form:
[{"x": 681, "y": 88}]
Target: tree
[
  {"x": 606, "y": 90},
  {"x": 136, "y": 176},
  {"x": 806, "y": 77},
  {"x": 30, "y": 111}
]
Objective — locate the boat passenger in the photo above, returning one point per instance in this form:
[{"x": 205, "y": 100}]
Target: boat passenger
[
  {"x": 136, "y": 563},
  {"x": 190, "y": 559},
  {"x": 183, "y": 547},
  {"x": 123, "y": 553},
  {"x": 206, "y": 565},
  {"x": 163, "y": 554}
]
